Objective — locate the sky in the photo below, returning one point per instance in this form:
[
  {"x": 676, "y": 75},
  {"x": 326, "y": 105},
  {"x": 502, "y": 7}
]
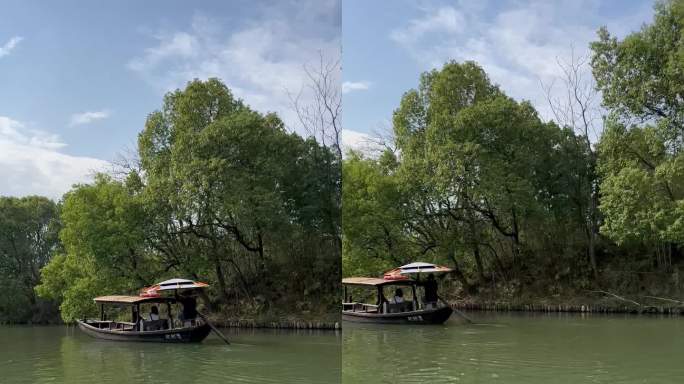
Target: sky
[
  {"x": 388, "y": 44},
  {"x": 78, "y": 78}
]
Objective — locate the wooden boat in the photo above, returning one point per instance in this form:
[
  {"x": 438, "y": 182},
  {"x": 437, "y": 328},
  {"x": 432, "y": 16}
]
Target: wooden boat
[
  {"x": 163, "y": 330},
  {"x": 409, "y": 312}
]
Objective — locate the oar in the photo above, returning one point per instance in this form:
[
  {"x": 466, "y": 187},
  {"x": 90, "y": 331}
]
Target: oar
[
  {"x": 456, "y": 311},
  {"x": 462, "y": 315},
  {"x": 213, "y": 328}
]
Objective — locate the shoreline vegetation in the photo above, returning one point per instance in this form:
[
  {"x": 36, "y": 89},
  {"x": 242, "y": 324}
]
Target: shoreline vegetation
[
  {"x": 216, "y": 192},
  {"x": 583, "y": 208},
  {"x": 607, "y": 305}
]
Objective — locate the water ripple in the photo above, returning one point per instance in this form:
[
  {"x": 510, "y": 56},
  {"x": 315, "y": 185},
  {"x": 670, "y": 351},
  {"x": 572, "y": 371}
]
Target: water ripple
[
  {"x": 517, "y": 349},
  {"x": 58, "y": 355}
]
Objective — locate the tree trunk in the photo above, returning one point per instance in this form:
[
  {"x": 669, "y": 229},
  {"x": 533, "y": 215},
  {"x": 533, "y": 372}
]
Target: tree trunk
[
  {"x": 262, "y": 257},
  {"x": 478, "y": 263},
  {"x": 459, "y": 274},
  {"x": 205, "y": 297},
  {"x": 593, "y": 225},
  {"x": 221, "y": 280},
  {"x": 592, "y": 251}
]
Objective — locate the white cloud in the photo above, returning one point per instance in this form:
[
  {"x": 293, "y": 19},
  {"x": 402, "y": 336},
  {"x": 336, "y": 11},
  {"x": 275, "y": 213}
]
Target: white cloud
[
  {"x": 31, "y": 162},
  {"x": 361, "y": 142},
  {"x": 179, "y": 44},
  {"x": 518, "y": 45},
  {"x": 441, "y": 20},
  {"x": 260, "y": 63},
  {"x": 351, "y": 86},
  {"x": 9, "y": 46},
  {"x": 88, "y": 117}
]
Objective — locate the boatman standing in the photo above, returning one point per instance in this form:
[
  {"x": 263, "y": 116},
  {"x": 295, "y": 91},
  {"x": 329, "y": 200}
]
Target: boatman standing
[
  {"x": 430, "y": 287},
  {"x": 189, "y": 306}
]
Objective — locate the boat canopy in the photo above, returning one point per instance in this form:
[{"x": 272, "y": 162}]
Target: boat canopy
[
  {"x": 121, "y": 299},
  {"x": 374, "y": 281},
  {"x": 180, "y": 284},
  {"x": 417, "y": 267},
  {"x": 172, "y": 284}
]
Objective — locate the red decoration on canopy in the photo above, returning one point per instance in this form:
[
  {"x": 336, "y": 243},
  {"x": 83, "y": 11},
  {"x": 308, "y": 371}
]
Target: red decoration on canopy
[
  {"x": 395, "y": 274},
  {"x": 150, "y": 291}
]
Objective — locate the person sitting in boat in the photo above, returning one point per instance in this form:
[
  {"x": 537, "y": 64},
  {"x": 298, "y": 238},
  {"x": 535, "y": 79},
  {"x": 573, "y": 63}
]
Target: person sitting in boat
[
  {"x": 398, "y": 296},
  {"x": 154, "y": 313},
  {"x": 430, "y": 288},
  {"x": 154, "y": 323},
  {"x": 189, "y": 307}
]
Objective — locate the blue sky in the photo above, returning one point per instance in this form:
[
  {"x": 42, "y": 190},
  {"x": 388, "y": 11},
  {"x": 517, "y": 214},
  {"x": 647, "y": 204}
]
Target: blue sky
[
  {"x": 387, "y": 44},
  {"x": 78, "y": 78}
]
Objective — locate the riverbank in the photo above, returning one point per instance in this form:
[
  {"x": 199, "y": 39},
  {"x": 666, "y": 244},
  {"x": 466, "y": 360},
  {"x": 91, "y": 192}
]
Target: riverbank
[
  {"x": 279, "y": 324},
  {"x": 248, "y": 323},
  {"x": 329, "y": 321},
  {"x": 322, "y": 320},
  {"x": 627, "y": 305}
]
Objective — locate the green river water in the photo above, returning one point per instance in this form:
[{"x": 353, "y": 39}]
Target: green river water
[
  {"x": 518, "y": 348},
  {"x": 498, "y": 348},
  {"x": 65, "y": 355}
]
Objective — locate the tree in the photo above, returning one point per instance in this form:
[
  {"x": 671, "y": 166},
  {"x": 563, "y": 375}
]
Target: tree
[
  {"x": 642, "y": 192},
  {"x": 227, "y": 175},
  {"x": 577, "y": 110},
  {"x": 479, "y": 182},
  {"x": 222, "y": 193},
  {"x": 640, "y": 159},
  {"x": 28, "y": 238},
  {"x": 641, "y": 77},
  {"x": 422, "y": 125},
  {"x": 320, "y": 115},
  {"x": 374, "y": 236},
  {"x": 104, "y": 250},
  {"x": 321, "y": 118}
]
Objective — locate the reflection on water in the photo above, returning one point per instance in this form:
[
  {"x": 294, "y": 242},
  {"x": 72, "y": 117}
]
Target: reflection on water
[
  {"x": 518, "y": 348},
  {"x": 65, "y": 355}
]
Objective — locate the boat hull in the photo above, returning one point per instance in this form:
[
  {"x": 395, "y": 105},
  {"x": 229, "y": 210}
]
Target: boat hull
[
  {"x": 423, "y": 316},
  {"x": 179, "y": 335}
]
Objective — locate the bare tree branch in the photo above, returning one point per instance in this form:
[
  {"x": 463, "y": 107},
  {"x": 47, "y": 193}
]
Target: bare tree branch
[
  {"x": 321, "y": 116},
  {"x": 578, "y": 109}
]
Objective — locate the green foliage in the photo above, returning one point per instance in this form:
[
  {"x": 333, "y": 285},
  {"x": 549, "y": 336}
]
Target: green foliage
[
  {"x": 373, "y": 239},
  {"x": 641, "y": 159},
  {"x": 103, "y": 238},
  {"x": 477, "y": 185},
  {"x": 72, "y": 283},
  {"x": 223, "y": 194},
  {"x": 643, "y": 186},
  {"x": 481, "y": 183},
  {"x": 642, "y": 76},
  {"x": 28, "y": 236}
]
